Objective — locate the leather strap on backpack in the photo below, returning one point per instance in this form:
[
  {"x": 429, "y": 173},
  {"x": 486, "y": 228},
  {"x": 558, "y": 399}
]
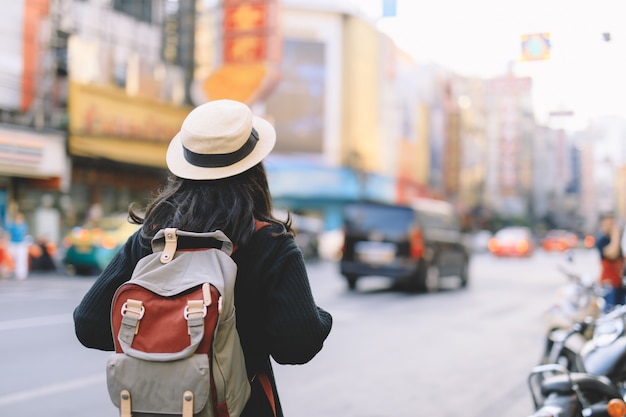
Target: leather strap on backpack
[
  {"x": 188, "y": 404},
  {"x": 267, "y": 388},
  {"x": 258, "y": 225},
  {"x": 125, "y": 406}
]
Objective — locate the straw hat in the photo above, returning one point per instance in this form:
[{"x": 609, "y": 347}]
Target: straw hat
[{"x": 219, "y": 139}]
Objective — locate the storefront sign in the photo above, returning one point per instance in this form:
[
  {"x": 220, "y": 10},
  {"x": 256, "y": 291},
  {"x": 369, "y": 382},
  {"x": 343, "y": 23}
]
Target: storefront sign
[
  {"x": 30, "y": 154},
  {"x": 105, "y": 122},
  {"x": 17, "y": 149}
]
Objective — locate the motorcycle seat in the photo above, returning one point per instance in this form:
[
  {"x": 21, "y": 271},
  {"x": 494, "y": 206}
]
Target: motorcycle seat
[{"x": 560, "y": 384}]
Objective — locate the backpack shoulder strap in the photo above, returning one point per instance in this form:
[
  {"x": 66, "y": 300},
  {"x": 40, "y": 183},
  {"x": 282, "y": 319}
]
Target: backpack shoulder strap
[
  {"x": 169, "y": 240},
  {"x": 258, "y": 225},
  {"x": 267, "y": 388}
]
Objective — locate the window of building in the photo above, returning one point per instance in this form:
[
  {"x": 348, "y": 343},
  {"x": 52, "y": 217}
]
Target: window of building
[{"x": 139, "y": 9}]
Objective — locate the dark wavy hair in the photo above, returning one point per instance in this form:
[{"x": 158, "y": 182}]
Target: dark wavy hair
[{"x": 229, "y": 204}]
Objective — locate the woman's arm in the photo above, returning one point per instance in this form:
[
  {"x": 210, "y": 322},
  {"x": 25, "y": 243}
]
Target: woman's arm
[
  {"x": 296, "y": 326},
  {"x": 92, "y": 317},
  {"x": 613, "y": 249}
]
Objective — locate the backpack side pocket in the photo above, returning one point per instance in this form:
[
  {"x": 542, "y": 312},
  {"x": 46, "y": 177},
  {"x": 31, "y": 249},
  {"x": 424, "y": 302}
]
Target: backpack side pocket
[{"x": 229, "y": 370}]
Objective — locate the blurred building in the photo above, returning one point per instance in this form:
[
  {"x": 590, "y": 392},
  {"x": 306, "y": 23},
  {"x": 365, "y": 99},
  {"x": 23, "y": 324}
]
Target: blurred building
[
  {"x": 33, "y": 159},
  {"x": 350, "y": 120},
  {"x": 587, "y": 210},
  {"x": 510, "y": 130},
  {"x": 109, "y": 77},
  {"x": 470, "y": 94},
  {"x": 557, "y": 180},
  {"x": 356, "y": 117},
  {"x": 126, "y": 97},
  {"x": 609, "y": 156}
]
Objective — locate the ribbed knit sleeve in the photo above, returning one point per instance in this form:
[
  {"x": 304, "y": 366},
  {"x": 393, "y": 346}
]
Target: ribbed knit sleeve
[
  {"x": 295, "y": 327},
  {"x": 92, "y": 317}
]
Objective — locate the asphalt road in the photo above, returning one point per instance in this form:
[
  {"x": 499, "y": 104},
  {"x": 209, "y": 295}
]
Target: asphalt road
[{"x": 456, "y": 352}]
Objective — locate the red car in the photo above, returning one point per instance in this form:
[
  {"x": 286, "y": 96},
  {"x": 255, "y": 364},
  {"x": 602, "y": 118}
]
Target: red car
[
  {"x": 513, "y": 241},
  {"x": 559, "y": 240}
]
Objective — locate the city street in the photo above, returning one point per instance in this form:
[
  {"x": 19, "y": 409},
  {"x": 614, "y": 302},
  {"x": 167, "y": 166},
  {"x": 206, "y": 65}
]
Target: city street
[{"x": 451, "y": 353}]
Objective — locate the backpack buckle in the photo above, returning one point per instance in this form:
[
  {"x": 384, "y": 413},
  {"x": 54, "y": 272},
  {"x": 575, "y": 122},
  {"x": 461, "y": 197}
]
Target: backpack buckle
[
  {"x": 132, "y": 312},
  {"x": 132, "y": 309},
  {"x": 194, "y": 312},
  {"x": 191, "y": 309}
]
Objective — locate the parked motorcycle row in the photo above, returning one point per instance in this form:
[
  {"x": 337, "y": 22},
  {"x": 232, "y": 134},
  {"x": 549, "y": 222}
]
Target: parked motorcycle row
[{"x": 582, "y": 371}]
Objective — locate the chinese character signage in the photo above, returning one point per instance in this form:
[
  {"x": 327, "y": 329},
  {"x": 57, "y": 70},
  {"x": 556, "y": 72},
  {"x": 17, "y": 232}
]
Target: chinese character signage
[
  {"x": 251, "y": 51},
  {"x": 247, "y": 32}
]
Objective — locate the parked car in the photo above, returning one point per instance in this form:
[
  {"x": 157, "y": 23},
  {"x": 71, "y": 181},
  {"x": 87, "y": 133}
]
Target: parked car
[
  {"x": 512, "y": 241},
  {"x": 89, "y": 249},
  {"x": 559, "y": 240},
  {"x": 308, "y": 230},
  {"x": 414, "y": 245}
]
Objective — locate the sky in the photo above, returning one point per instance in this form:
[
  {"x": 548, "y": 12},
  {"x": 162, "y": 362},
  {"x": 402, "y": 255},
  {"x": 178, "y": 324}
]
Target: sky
[{"x": 585, "y": 74}]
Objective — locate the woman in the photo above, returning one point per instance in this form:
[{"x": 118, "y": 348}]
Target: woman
[
  {"x": 611, "y": 262},
  {"x": 218, "y": 181},
  {"x": 18, "y": 245}
]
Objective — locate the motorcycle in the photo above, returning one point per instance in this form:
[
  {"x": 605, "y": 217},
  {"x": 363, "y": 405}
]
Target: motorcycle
[
  {"x": 598, "y": 388},
  {"x": 570, "y": 321},
  {"x": 567, "y": 394}
]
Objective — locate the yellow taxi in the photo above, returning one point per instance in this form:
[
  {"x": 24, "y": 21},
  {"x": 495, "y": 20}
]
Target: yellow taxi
[{"x": 88, "y": 250}]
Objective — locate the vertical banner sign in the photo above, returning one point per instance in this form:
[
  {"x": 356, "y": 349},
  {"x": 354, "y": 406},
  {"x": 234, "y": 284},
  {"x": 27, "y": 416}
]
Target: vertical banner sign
[
  {"x": 252, "y": 51},
  {"x": 35, "y": 11},
  {"x": 245, "y": 30}
]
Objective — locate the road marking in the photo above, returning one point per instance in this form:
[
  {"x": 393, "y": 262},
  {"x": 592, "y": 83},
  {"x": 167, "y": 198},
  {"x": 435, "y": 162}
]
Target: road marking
[
  {"x": 52, "y": 389},
  {"x": 36, "y": 322}
]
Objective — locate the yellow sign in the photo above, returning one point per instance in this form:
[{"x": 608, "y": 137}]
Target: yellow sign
[{"x": 106, "y": 122}]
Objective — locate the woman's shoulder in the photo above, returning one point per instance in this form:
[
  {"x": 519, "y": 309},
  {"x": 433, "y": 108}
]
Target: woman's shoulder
[
  {"x": 271, "y": 237},
  {"x": 271, "y": 231}
]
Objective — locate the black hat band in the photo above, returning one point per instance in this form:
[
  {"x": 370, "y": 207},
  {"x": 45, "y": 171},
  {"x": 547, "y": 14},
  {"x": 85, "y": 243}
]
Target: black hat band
[{"x": 219, "y": 160}]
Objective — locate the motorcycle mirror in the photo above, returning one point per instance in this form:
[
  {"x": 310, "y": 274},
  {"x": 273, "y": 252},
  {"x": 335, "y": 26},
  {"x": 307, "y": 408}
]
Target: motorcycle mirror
[{"x": 616, "y": 408}]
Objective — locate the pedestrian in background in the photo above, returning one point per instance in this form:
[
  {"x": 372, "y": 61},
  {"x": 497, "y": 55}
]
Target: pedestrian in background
[
  {"x": 611, "y": 261},
  {"x": 6, "y": 261},
  {"x": 18, "y": 245},
  {"x": 218, "y": 182}
]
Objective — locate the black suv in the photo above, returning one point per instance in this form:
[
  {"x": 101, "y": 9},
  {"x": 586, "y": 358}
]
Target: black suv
[{"x": 415, "y": 245}]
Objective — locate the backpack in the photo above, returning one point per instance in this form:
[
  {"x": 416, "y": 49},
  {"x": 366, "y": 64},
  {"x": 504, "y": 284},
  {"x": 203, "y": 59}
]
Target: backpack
[{"x": 177, "y": 350}]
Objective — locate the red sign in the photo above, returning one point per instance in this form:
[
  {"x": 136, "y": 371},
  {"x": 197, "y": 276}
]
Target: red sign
[
  {"x": 248, "y": 30},
  {"x": 245, "y": 18},
  {"x": 245, "y": 49},
  {"x": 251, "y": 52}
]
